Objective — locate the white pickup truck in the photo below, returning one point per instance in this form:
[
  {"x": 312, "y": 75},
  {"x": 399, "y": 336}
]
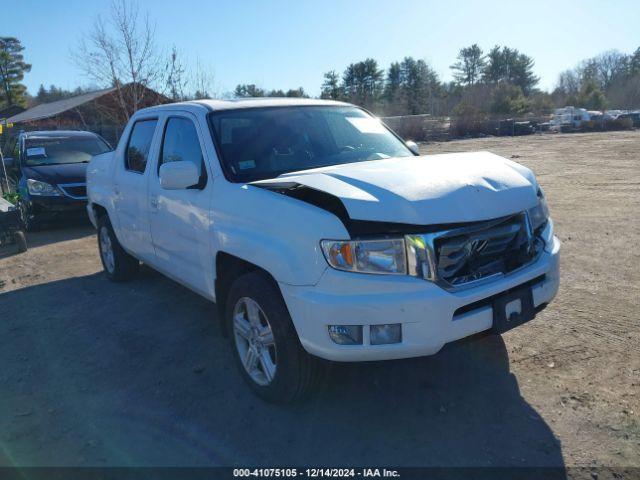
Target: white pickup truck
[{"x": 320, "y": 233}]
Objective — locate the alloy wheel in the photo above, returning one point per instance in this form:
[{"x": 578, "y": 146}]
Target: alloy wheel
[
  {"x": 254, "y": 341},
  {"x": 106, "y": 250}
]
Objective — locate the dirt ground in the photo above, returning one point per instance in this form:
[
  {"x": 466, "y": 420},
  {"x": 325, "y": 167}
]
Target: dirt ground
[{"x": 95, "y": 373}]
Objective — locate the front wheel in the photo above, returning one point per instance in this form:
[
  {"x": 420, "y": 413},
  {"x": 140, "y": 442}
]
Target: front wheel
[
  {"x": 118, "y": 264},
  {"x": 266, "y": 345}
]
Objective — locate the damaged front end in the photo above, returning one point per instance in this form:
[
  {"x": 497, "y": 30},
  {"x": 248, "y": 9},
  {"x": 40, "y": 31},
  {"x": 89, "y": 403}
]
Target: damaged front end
[
  {"x": 465, "y": 256},
  {"x": 455, "y": 255},
  {"x": 335, "y": 206}
]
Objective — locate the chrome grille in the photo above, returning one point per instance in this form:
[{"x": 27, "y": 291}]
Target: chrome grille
[{"x": 483, "y": 250}]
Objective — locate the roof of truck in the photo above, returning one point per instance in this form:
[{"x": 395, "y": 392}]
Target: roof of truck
[{"x": 233, "y": 104}]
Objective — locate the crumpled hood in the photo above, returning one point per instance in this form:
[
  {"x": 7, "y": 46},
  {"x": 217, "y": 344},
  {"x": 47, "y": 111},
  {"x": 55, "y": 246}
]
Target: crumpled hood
[
  {"x": 431, "y": 189},
  {"x": 57, "y": 174}
]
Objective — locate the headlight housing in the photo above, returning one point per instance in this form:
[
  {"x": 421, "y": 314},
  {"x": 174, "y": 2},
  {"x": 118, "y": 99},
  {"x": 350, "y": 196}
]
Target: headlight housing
[
  {"x": 539, "y": 215},
  {"x": 36, "y": 187},
  {"x": 381, "y": 256}
]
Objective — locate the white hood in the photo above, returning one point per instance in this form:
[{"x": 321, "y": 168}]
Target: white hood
[{"x": 431, "y": 189}]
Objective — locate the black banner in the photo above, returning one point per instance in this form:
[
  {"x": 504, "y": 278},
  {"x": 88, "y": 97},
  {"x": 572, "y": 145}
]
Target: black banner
[{"x": 422, "y": 473}]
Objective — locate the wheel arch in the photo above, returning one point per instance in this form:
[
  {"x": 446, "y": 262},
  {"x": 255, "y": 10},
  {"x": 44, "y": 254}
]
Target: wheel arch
[
  {"x": 228, "y": 268},
  {"x": 98, "y": 211}
]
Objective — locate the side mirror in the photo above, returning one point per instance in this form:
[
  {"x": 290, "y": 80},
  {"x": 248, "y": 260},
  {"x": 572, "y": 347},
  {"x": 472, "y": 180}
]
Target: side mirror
[
  {"x": 413, "y": 146},
  {"x": 178, "y": 175}
]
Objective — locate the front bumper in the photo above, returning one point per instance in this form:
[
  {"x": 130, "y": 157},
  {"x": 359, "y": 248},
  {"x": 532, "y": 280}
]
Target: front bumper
[
  {"x": 54, "y": 207},
  {"x": 425, "y": 310}
]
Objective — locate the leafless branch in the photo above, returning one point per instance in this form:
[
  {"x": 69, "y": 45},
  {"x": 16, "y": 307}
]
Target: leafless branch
[
  {"x": 120, "y": 52},
  {"x": 202, "y": 82}
]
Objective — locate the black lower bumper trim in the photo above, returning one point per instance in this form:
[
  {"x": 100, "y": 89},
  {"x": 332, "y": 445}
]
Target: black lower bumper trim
[{"x": 490, "y": 300}]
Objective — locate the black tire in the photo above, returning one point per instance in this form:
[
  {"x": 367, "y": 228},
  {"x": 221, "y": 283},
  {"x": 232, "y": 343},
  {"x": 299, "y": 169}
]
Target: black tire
[
  {"x": 124, "y": 266},
  {"x": 21, "y": 241},
  {"x": 297, "y": 373}
]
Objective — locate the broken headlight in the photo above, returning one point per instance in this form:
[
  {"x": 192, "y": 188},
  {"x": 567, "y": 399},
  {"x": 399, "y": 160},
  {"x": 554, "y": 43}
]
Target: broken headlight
[{"x": 539, "y": 215}]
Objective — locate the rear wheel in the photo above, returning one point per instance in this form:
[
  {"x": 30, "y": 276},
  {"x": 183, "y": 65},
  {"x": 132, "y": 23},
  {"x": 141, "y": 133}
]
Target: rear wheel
[
  {"x": 266, "y": 345},
  {"x": 118, "y": 264}
]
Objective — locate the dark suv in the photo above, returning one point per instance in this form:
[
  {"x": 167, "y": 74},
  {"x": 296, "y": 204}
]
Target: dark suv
[{"x": 48, "y": 170}]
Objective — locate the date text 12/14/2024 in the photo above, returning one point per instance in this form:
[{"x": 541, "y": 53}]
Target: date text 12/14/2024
[{"x": 315, "y": 472}]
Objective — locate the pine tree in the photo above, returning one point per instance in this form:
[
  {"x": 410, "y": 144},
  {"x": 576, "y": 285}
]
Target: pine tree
[
  {"x": 331, "y": 86},
  {"x": 12, "y": 70},
  {"x": 469, "y": 66}
]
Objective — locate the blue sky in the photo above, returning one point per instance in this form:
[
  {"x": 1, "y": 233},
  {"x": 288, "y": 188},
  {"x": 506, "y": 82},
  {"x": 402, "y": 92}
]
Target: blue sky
[{"x": 287, "y": 44}]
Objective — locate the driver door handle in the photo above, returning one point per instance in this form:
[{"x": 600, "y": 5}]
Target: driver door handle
[{"x": 153, "y": 202}]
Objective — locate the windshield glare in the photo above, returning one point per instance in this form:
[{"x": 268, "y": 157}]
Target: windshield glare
[
  {"x": 261, "y": 143},
  {"x": 57, "y": 150}
]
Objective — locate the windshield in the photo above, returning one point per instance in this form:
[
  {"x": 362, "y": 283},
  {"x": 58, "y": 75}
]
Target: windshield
[
  {"x": 57, "y": 150},
  {"x": 260, "y": 143}
]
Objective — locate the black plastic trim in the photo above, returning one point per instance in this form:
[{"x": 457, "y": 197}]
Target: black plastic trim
[{"x": 489, "y": 300}]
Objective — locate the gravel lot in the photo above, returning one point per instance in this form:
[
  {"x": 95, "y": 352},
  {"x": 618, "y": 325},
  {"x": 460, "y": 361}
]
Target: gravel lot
[{"x": 95, "y": 373}]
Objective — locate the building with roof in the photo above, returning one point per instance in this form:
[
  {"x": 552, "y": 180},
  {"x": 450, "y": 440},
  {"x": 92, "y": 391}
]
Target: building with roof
[
  {"x": 103, "y": 111},
  {"x": 10, "y": 111}
]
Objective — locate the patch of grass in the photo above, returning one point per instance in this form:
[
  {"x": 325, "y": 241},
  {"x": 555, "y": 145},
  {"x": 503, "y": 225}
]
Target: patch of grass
[{"x": 11, "y": 197}]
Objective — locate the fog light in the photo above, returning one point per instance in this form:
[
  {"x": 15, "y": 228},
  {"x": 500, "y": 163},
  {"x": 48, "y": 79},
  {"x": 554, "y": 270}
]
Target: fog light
[
  {"x": 346, "y": 334},
  {"x": 383, "y": 334}
]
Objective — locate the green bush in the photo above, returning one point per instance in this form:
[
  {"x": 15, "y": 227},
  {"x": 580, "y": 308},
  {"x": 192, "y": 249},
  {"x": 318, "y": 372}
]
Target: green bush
[
  {"x": 468, "y": 120},
  {"x": 508, "y": 100},
  {"x": 11, "y": 197}
]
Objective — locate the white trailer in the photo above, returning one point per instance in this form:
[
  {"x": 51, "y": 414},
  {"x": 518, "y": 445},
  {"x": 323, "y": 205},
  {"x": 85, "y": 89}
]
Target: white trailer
[{"x": 569, "y": 118}]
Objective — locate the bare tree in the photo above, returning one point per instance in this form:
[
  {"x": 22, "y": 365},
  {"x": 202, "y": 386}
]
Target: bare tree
[
  {"x": 202, "y": 82},
  {"x": 625, "y": 93},
  {"x": 609, "y": 66},
  {"x": 120, "y": 52},
  {"x": 568, "y": 88},
  {"x": 175, "y": 80}
]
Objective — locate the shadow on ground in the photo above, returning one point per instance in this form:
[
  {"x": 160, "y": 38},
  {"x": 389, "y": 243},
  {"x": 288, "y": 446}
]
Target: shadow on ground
[
  {"x": 54, "y": 233},
  {"x": 61, "y": 231},
  {"x": 95, "y": 373}
]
